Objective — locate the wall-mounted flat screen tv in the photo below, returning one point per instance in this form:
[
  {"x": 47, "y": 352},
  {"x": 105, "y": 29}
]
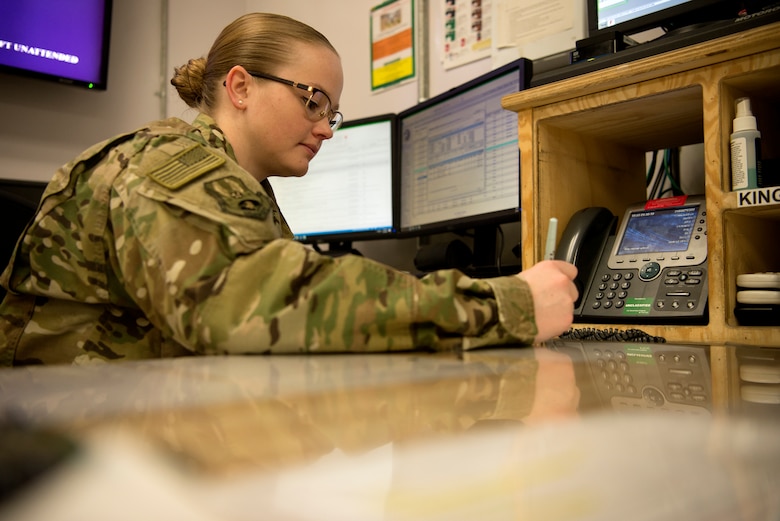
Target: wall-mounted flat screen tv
[{"x": 63, "y": 41}]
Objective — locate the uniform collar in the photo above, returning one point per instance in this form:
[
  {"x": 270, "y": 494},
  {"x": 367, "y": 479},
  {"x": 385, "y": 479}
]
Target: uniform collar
[{"x": 209, "y": 132}]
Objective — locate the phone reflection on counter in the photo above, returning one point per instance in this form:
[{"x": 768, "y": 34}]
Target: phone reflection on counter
[{"x": 642, "y": 377}]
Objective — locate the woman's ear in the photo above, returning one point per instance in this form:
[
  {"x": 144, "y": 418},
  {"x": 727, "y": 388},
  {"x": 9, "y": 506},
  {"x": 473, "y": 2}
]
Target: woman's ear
[{"x": 237, "y": 85}]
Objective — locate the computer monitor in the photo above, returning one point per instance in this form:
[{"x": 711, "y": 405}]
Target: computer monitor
[
  {"x": 631, "y": 16},
  {"x": 350, "y": 191},
  {"x": 66, "y": 42},
  {"x": 460, "y": 160}
]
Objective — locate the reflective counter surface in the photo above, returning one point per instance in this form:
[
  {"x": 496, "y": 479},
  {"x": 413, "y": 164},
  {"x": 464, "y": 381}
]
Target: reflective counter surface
[{"x": 566, "y": 431}]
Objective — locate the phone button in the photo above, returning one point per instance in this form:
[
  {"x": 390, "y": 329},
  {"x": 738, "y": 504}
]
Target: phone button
[{"x": 649, "y": 271}]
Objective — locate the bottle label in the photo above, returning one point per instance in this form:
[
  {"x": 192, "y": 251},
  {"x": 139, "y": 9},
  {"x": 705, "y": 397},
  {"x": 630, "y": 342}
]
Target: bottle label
[{"x": 739, "y": 164}]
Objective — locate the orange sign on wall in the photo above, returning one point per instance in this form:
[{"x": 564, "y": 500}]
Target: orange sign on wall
[{"x": 392, "y": 43}]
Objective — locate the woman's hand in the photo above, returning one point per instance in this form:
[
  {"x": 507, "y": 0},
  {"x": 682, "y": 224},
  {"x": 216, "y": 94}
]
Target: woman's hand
[{"x": 554, "y": 294}]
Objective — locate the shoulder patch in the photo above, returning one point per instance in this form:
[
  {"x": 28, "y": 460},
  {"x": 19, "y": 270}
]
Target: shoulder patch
[
  {"x": 234, "y": 197},
  {"x": 185, "y": 166}
]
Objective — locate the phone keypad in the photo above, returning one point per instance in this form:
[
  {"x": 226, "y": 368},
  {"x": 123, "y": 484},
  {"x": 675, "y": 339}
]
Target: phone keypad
[
  {"x": 613, "y": 290},
  {"x": 672, "y": 381},
  {"x": 680, "y": 289},
  {"x": 614, "y": 372},
  {"x": 674, "y": 291}
]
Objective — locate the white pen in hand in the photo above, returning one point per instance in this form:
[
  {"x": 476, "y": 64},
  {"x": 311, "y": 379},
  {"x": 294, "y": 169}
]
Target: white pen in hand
[{"x": 552, "y": 232}]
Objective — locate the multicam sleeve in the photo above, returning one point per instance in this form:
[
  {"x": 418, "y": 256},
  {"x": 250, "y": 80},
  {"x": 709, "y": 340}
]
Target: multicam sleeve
[
  {"x": 300, "y": 300},
  {"x": 209, "y": 267}
]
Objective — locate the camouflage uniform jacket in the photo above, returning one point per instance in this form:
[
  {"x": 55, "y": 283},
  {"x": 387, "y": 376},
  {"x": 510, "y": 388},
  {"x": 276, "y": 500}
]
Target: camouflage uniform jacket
[{"x": 157, "y": 243}]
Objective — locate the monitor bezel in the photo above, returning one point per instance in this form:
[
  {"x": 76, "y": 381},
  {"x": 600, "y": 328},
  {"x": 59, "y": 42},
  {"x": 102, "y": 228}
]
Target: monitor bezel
[
  {"x": 99, "y": 84},
  {"x": 523, "y": 67},
  {"x": 690, "y": 13},
  {"x": 347, "y": 237}
]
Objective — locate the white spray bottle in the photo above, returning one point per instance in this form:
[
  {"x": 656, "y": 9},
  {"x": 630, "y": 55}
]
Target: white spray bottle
[{"x": 745, "y": 148}]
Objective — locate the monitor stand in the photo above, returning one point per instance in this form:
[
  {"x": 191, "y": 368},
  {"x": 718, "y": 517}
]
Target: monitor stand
[
  {"x": 485, "y": 246},
  {"x": 486, "y": 252},
  {"x": 338, "y": 249}
]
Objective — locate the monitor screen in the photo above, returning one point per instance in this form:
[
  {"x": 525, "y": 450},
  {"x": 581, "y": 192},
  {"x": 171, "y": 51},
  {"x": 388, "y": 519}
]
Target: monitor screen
[
  {"x": 630, "y": 16},
  {"x": 349, "y": 191},
  {"x": 460, "y": 161},
  {"x": 62, "y": 41}
]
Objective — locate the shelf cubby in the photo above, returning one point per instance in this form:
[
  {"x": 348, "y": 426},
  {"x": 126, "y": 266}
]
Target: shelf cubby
[{"x": 583, "y": 142}]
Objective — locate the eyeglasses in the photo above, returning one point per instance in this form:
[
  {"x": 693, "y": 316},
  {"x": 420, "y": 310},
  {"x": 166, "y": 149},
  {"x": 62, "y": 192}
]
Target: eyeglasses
[{"x": 317, "y": 105}]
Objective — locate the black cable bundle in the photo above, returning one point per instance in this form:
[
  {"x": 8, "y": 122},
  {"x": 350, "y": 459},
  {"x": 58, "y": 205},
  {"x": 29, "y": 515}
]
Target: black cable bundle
[{"x": 667, "y": 172}]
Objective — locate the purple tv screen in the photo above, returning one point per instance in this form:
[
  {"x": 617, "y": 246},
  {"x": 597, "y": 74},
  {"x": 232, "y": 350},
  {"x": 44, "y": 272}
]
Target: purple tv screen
[{"x": 64, "y": 40}]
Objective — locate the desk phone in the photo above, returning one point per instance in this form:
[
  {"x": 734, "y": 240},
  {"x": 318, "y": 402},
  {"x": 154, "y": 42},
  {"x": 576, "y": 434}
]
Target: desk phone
[{"x": 652, "y": 268}]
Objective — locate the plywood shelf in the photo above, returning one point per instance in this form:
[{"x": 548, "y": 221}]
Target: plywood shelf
[{"x": 583, "y": 143}]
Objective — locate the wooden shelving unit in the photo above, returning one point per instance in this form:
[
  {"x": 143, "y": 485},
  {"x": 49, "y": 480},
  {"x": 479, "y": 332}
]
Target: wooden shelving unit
[{"x": 583, "y": 142}]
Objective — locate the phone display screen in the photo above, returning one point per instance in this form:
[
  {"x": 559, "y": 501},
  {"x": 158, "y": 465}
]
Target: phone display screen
[{"x": 656, "y": 231}]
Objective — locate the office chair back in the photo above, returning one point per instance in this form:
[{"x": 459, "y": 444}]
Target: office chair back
[{"x": 15, "y": 212}]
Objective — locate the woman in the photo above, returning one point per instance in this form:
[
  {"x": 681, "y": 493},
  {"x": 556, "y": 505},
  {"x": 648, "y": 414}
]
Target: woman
[{"x": 167, "y": 241}]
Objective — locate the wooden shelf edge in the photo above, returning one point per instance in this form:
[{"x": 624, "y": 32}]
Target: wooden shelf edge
[
  {"x": 682, "y": 334},
  {"x": 722, "y": 49}
]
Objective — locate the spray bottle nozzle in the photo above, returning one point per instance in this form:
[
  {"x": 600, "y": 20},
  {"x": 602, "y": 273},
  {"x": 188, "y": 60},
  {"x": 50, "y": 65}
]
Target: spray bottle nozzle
[
  {"x": 744, "y": 119},
  {"x": 743, "y": 107}
]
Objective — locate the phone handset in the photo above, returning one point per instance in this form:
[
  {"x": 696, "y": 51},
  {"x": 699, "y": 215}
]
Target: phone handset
[{"x": 582, "y": 244}]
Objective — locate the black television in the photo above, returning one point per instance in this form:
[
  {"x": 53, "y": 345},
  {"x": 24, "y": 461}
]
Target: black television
[
  {"x": 350, "y": 192},
  {"x": 632, "y": 16},
  {"x": 614, "y": 27},
  {"x": 460, "y": 160},
  {"x": 62, "y": 41}
]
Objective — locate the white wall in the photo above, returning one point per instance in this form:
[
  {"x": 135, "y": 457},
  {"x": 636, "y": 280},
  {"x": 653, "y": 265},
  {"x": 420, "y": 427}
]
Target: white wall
[{"x": 195, "y": 23}]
